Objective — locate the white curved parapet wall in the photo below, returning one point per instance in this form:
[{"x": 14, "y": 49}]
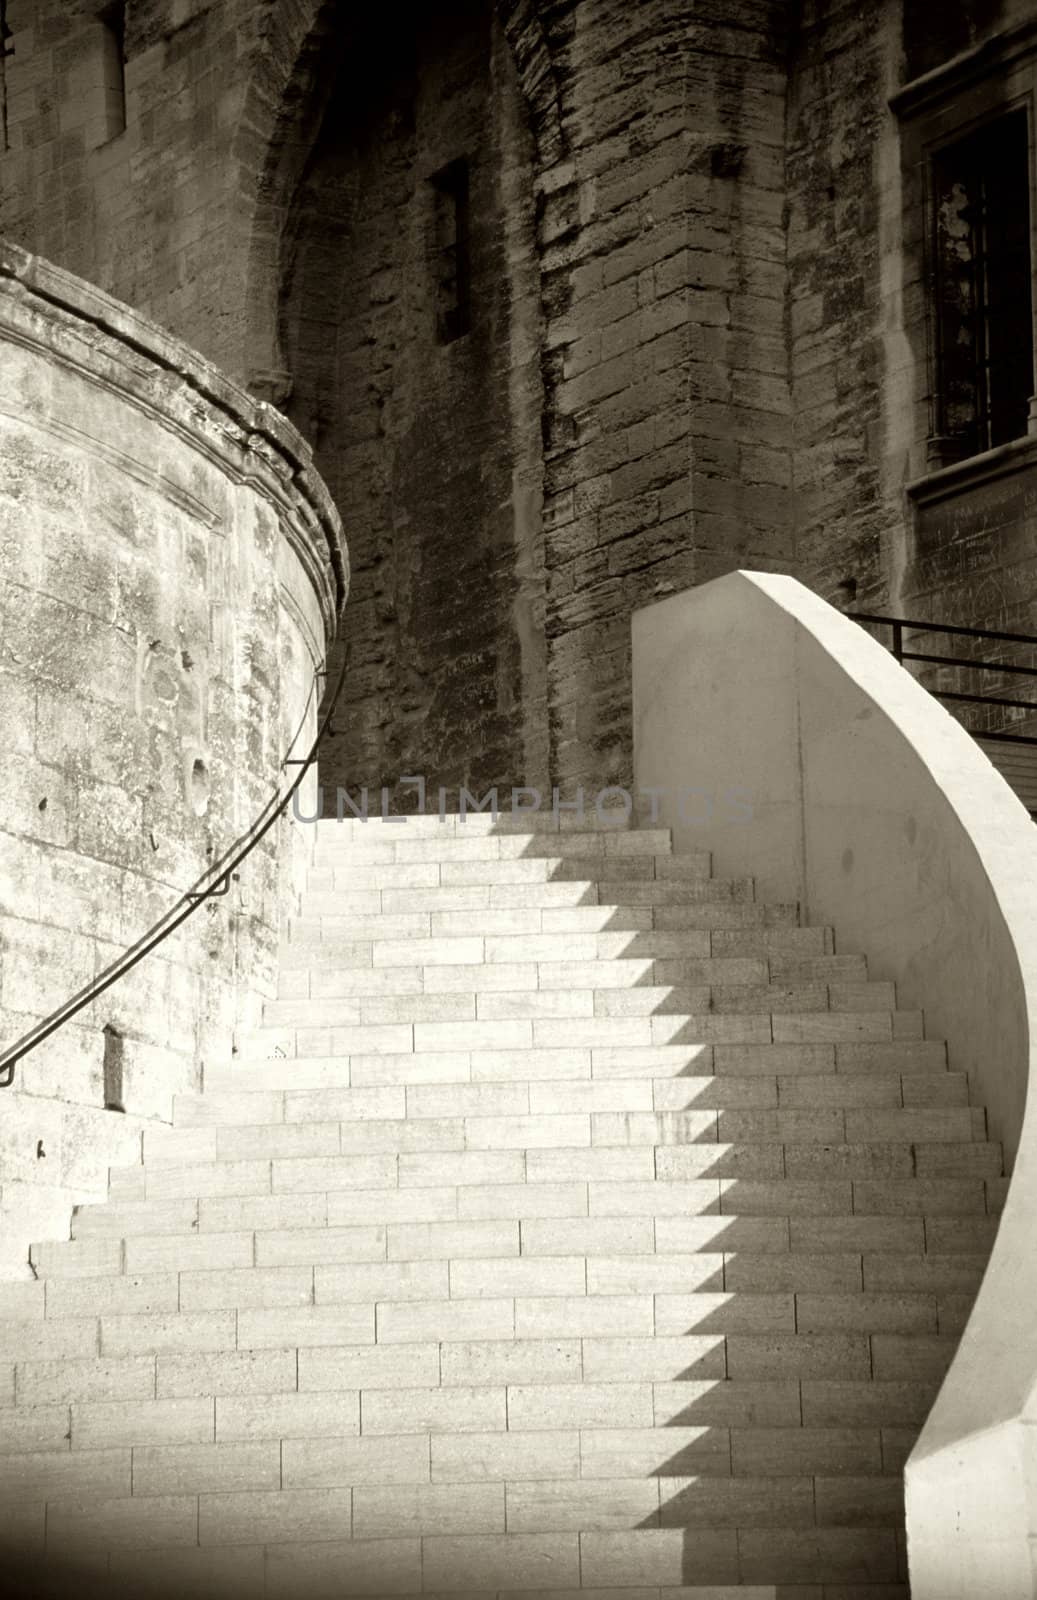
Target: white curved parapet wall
[
  {"x": 782, "y": 737},
  {"x": 171, "y": 570}
]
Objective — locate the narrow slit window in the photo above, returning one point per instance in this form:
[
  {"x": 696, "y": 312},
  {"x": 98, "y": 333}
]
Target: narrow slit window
[
  {"x": 982, "y": 287},
  {"x": 113, "y": 69},
  {"x": 113, "y": 1069},
  {"x": 451, "y": 263}
]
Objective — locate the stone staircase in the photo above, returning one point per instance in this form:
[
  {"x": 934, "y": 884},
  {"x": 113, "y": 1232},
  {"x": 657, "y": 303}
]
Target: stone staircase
[{"x": 576, "y": 1222}]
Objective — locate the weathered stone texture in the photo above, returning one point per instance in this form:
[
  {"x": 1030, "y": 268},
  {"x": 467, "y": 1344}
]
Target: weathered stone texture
[
  {"x": 665, "y": 370},
  {"x": 698, "y": 317},
  {"x": 968, "y": 555},
  {"x": 167, "y": 586},
  {"x": 837, "y": 113},
  {"x": 649, "y": 355},
  {"x": 860, "y": 339},
  {"x": 152, "y": 213},
  {"x": 430, "y": 448}
]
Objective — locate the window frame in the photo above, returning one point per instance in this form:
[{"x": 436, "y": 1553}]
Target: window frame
[
  {"x": 987, "y": 395},
  {"x": 936, "y": 112}
]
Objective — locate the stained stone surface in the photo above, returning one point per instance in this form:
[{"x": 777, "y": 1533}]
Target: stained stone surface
[
  {"x": 169, "y": 571},
  {"x": 698, "y": 331}
]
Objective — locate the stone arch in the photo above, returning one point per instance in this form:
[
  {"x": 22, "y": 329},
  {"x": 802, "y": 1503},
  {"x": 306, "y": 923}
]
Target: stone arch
[
  {"x": 298, "y": 51},
  {"x": 295, "y": 56},
  {"x": 306, "y": 247}
]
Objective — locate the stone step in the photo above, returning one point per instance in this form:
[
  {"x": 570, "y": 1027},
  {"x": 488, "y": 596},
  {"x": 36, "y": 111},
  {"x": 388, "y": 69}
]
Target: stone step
[
  {"x": 912, "y": 1062},
  {"x": 625, "y": 1189},
  {"x": 556, "y": 902},
  {"x": 624, "y": 986},
  {"x": 324, "y": 1567},
  {"x": 897, "y": 1142},
  {"x": 688, "y": 951},
  {"x": 882, "y": 1254},
  {"x": 611, "y": 1202},
  {"x": 451, "y": 1289},
  {"x": 242, "y": 1104},
  {"x": 383, "y": 848},
  {"x": 307, "y": 938},
  {"x": 469, "y": 870},
  {"x": 687, "y": 957},
  {"x": 815, "y": 1563},
  {"x": 872, "y": 1090},
  {"x": 778, "y": 936},
  {"x": 819, "y": 968},
  {"x": 328, "y": 982},
  {"x": 112, "y": 1219},
  {"x": 325, "y": 1313},
  {"x": 621, "y": 1183},
  {"x": 674, "y": 911},
  {"x": 413, "y": 890},
  {"x": 962, "y": 1212},
  {"x": 456, "y": 1022},
  {"x": 620, "y": 922},
  {"x": 384, "y": 1120},
  {"x": 472, "y": 868},
  {"x": 592, "y": 944},
  {"x": 668, "y": 994},
  {"x": 449, "y": 824}
]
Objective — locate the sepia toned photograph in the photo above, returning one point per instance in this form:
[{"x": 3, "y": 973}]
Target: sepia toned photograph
[{"x": 518, "y": 883}]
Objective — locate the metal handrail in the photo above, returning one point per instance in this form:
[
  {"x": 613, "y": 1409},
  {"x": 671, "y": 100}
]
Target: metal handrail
[
  {"x": 214, "y": 882},
  {"x": 964, "y": 661},
  {"x": 944, "y": 627},
  {"x": 898, "y": 624},
  {"x": 986, "y": 735}
]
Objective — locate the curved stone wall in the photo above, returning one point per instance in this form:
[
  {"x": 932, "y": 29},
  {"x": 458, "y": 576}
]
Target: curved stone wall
[
  {"x": 171, "y": 571},
  {"x": 872, "y": 805}
]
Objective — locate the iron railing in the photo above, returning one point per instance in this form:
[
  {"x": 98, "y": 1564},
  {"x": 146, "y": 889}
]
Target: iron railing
[
  {"x": 213, "y": 884},
  {"x": 1013, "y": 753}
]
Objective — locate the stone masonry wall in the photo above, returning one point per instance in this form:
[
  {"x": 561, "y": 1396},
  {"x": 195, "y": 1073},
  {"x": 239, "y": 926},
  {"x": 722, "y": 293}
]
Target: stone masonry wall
[
  {"x": 667, "y": 402},
  {"x": 968, "y": 545},
  {"x": 659, "y": 177},
  {"x": 657, "y": 174},
  {"x": 430, "y": 447},
  {"x": 860, "y": 335},
  {"x": 837, "y": 113},
  {"x": 700, "y": 339},
  {"x": 168, "y": 566},
  {"x": 151, "y": 214}
]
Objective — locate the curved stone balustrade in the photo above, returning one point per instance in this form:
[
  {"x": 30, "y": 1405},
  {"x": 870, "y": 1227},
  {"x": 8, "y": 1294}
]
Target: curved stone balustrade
[{"x": 860, "y": 795}]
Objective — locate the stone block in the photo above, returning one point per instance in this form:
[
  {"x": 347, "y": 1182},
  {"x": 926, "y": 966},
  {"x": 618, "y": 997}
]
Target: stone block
[{"x": 286, "y": 1415}]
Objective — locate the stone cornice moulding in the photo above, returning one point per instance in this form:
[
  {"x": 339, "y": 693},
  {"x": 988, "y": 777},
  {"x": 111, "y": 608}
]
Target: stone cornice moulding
[
  {"x": 247, "y": 439},
  {"x": 987, "y": 466},
  {"x": 995, "y": 54}
]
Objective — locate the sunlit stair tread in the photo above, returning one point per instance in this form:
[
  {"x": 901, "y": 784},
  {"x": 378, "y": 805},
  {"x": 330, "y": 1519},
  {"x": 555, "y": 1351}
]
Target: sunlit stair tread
[{"x": 460, "y": 1283}]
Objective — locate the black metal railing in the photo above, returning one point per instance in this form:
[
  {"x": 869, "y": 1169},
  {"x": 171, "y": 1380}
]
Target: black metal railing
[
  {"x": 989, "y": 718},
  {"x": 213, "y": 884}
]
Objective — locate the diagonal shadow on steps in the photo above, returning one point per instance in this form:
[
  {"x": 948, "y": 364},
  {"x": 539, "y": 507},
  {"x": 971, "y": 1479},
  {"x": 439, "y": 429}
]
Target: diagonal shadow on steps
[
  {"x": 773, "y": 1455},
  {"x": 784, "y": 1471}
]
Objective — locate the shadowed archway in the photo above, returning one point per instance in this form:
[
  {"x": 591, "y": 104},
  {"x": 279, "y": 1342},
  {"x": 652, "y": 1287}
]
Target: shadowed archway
[{"x": 403, "y": 339}]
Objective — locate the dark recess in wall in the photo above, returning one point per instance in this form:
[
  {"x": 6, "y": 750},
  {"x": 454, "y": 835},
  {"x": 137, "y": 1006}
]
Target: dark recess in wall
[
  {"x": 398, "y": 297},
  {"x": 933, "y": 33}
]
